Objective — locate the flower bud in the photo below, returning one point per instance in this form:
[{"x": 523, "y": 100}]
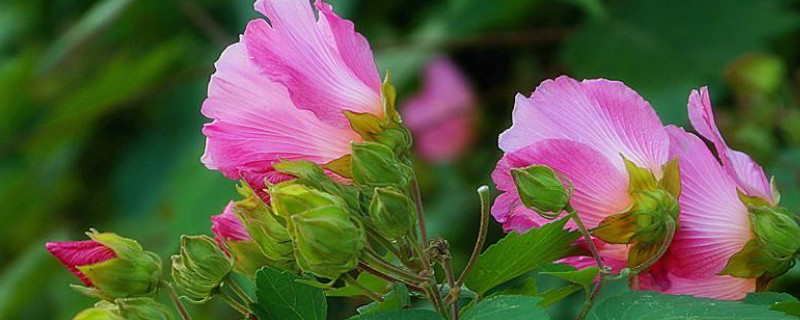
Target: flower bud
[
  {"x": 777, "y": 231},
  {"x": 327, "y": 242},
  {"x": 103, "y": 310},
  {"x": 269, "y": 235},
  {"x": 289, "y": 199},
  {"x": 375, "y": 165},
  {"x": 142, "y": 309},
  {"x": 234, "y": 240},
  {"x": 540, "y": 189},
  {"x": 110, "y": 266},
  {"x": 392, "y": 213},
  {"x": 200, "y": 267}
]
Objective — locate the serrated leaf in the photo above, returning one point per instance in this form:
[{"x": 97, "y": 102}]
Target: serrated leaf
[
  {"x": 409, "y": 314},
  {"x": 646, "y": 305},
  {"x": 280, "y": 296},
  {"x": 516, "y": 254},
  {"x": 506, "y": 308}
]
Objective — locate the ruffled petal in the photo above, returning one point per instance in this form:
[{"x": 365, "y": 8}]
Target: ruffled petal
[
  {"x": 227, "y": 226},
  {"x": 601, "y": 189},
  {"x": 714, "y": 287},
  {"x": 714, "y": 223},
  {"x": 606, "y": 115},
  {"x": 324, "y": 65},
  {"x": 749, "y": 176},
  {"x": 80, "y": 253},
  {"x": 442, "y": 115},
  {"x": 255, "y": 122}
]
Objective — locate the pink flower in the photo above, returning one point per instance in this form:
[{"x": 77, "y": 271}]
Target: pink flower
[
  {"x": 227, "y": 226},
  {"x": 76, "y": 254},
  {"x": 581, "y": 130},
  {"x": 280, "y": 92},
  {"x": 715, "y": 223},
  {"x": 442, "y": 115}
]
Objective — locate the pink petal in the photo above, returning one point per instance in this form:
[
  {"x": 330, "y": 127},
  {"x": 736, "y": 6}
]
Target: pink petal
[
  {"x": 227, "y": 226},
  {"x": 80, "y": 253},
  {"x": 714, "y": 223},
  {"x": 326, "y": 66},
  {"x": 257, "y": 180},
  {"x": 601, "y": 189},
  {"x": 748, "y": 174},
  {"x": 606, "y": 115},
  {"x": 255, "y": 122},
  {"x": 714, "y": 287},
  {"x": 442, "y": 115}
]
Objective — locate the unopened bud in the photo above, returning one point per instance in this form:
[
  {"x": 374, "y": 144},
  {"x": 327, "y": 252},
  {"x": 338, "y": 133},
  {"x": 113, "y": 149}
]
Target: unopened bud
[
  {"x": 392, "y": 213},
  {"x": 541, "y": 189},
  {"x": 103, "y": 310},
  {"x": 200, "y": 267},
  {"x": 142, "y": 309},
  {"x": 327, "y": 241},
  {"x": 375, "y": 165},
  {"x": 111, "y": 266},
  {"x": 267, "y": 243},
  {"x": 777, "y": 231},
  {"x": 289, "y": 199}
]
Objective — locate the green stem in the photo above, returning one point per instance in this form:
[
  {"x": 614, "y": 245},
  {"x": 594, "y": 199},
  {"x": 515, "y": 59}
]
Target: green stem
[
  {"x": 376, "y": 261},
  {"x": 238, "y": 290},
  {"x": 234, "y": 304},
  {"x": 420, "y": 214},
  {"x": 483, "y": 193},
  {"x": 452, "y": 297},
  {"x": 587, "y": 305},
  {"x": 366, "y": 268},
  {"x": 173, "y": 296},
  {"x": 348, "y": 279}
]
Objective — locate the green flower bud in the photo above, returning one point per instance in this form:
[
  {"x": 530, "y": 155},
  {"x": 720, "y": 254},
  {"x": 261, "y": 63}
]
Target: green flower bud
[
  {"x": 375, "y": 165},
  {"x": 327, "y": 241},
  {"x": 777, "y": 231},
  {"x": 103, "y": 310},
  {"x": 289, "y": 199},
  {"x": 268, "y": 234},
  {"x": 200, "y": 267},
  {"x": 392, "y": 213},
  {"x": 540, "y": 189},
  {"x": 143, "y": 309}
]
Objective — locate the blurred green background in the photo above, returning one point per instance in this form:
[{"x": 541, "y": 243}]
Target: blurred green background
[{"x": 100, "y": 99}]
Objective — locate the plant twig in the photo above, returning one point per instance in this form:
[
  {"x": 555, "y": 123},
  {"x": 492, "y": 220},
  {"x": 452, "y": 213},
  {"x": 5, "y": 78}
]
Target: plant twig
[
  {"x": 366, "y": 268},
  {"x": 451, "y": 280},
  {"x": 483, "y": 193},
  {"x": 348, "y": 279},
  {"x": 587, "y": 305},
  {"x": 234, "y": 304},
  {"x": 173, "y": 296},
  {"x": 372, "y": 258},
  {"x": 420, "y": 214}
]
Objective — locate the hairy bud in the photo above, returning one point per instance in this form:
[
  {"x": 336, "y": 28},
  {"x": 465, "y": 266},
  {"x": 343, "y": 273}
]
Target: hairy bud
[
  {"x": 200, "y": 267},
  {"x": 375, "y": 165},
  {"x": 392, "y": 213}
]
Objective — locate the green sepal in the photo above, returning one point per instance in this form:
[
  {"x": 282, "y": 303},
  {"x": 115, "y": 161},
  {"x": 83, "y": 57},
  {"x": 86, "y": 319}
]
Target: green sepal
[
  {"x": 200, "y": 267},
  {"x": 750, "y": 262},
  {"x": 340, "y": 166},
  {"x": 388, "y": 99},
  {"x": 639, "y": 179},
  {"x": 102, "y": 310},
  {"x": 392, "y": 213},
  {"x": 312, "y": 175},
  {"x": 617, "y": 229},
  {"x": 248, "y": 257},
  {"x": 750, "y": 201},
  {"x": 268, "y": 233},
  {"x": 376, "y": 165},
  {"x": 143, "y": 309},
  {"x": 671, "y": 178}
]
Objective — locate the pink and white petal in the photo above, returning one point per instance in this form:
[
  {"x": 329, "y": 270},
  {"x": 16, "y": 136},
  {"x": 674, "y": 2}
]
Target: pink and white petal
[
  {"x": 714, "y": 287},
  {"x": 509, "y": 211},
  {"x": 749, "y": 176},
  {"x": 601, "y": 189},
  {"x": 80, "y": 253},
  {"x": 227, "y": 226},
  {"x": 714, "y": 223},
  {"x": 604, "y": 114},
  {"x": 255, "y": 122},
  {"x": 352, "y": 46},
  {"x": 292, "y": 49}
]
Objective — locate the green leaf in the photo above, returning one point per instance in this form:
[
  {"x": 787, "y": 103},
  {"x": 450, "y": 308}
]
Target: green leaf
[
  {"x": 518, "y": 254},
  {"x": 583, "y": 277},
  {"x": 644, "y": 305},
  {"x": 552, "y": 296},
  {"x": 506, "y": 308},
  {"x": 409, "y": 314},
  {"x": 280, "y": 296},
  {"x": 525, "y": 288},
  {"x": 396, "y": 299},
  {"x": 782, "y": 302}
]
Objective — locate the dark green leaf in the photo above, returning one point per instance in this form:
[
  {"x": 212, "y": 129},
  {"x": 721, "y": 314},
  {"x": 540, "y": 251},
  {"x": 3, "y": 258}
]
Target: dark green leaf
[
  {"x": 517, "y": 254},
  {"x": 280, "y": 296},
  {"x": 525, "y": 288},
  {"x": 507, "y": 308},
  {"x": 583, "y": 277},
  {"x": 365, "y": 279},
  {"x": 396, "y": 299},
  {"x": 644, "y": 305},
  {"x": 782, "y": 302},
  {"x": 410, "y": 314},
  {"x": 555, "y": 295}
]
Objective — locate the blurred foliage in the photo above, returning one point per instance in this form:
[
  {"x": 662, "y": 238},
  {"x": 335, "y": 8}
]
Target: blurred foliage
[{"x": 100, "y": 123}]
